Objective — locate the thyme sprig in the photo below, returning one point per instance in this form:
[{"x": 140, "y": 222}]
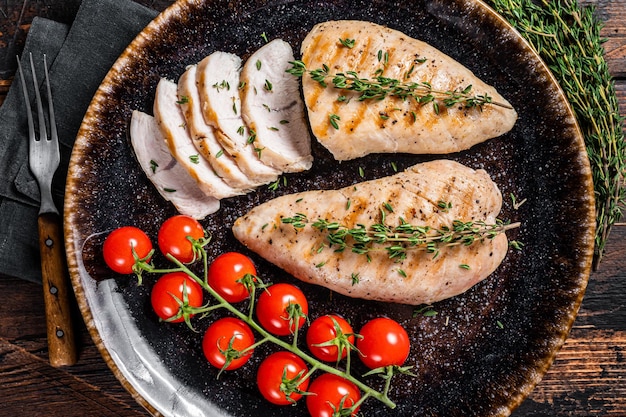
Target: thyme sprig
[
  {"x": 380, "y": 87},
  {"x": 397, "y": 240},
  {"x": 567, "y": 37}
]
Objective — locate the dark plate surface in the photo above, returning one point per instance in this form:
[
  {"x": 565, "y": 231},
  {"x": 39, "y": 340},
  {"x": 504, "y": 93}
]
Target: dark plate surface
[{"x": 484, "y": 350}]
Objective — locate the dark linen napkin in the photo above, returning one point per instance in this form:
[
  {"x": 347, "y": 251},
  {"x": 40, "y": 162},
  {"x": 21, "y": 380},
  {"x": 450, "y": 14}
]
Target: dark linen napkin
[{"x": 78, "y": 59}]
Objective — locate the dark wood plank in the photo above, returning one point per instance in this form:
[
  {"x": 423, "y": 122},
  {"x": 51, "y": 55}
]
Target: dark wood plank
[
  {"x": 587, "y": 376},
  {"x": 613, "y": 15},
  {"x": 88, "y": 385},
  {"x": 32, "y": 386}
]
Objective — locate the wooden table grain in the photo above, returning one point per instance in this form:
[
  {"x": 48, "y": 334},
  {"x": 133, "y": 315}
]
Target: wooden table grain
[{"x": 587, "y": 378}]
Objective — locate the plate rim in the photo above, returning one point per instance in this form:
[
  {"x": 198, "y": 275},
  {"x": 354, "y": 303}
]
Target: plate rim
[{"x": 178, "y": 8}]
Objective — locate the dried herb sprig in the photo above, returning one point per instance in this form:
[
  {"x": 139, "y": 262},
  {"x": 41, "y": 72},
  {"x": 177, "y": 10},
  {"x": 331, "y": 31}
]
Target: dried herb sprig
[
  {"x": 379, "y": 87},
  {"x": 567, "y": 37},
  {"x": 397, "y": 240}
]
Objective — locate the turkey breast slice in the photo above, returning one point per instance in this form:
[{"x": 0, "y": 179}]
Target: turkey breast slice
[
  {"x": 350, "y": 128},
  {"x": 203, "y": 135},
  {"x": 218, "y": 80},
  {"x": 273, "y": 108},
  {"x": 169, "y": 178},
  {"x": 171, "y": 122},
  {"x": 412, "y": 196}
]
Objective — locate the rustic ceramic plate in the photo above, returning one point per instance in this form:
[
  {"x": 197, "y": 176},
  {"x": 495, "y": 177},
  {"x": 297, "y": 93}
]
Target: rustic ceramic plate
[{"x": 484, "y": 350}]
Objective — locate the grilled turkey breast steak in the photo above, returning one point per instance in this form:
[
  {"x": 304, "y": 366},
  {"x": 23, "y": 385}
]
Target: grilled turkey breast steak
[
  {"x": 218, "y": 78},
  {"x": 273, "y": 109},
  {"x": 171, "y": 122},
  {"x": 168, "y": 176},
  {"x": 350, "y": 128},
  {"x": 414, "y": 196},
  {"x": 203, "y": 135}
]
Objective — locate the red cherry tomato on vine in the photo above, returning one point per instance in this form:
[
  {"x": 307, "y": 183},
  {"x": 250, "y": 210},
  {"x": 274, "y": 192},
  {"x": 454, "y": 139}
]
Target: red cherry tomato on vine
[
  {"x": 226, "y": 270},
  {"x": 282, "y": 369},
  {"x": 322, "y": 337},
  {"x": 273, "y": 305},
  {"x": 174, "y": 234},
  {"x": 330, "y": 394},
  {"x": 172, "y": 289},
  {"x": 230, "y": 335},
  {"x": 383, "y": 342},
  {"x": 118, "y": 248}
]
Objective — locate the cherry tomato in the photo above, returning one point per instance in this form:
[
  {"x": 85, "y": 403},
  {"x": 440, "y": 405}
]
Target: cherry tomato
[
  {"x": 118, "y": 248},
  {"x": 330, "y": 394},
  {"x": 282, "y": 369},
  {"x": 228, "y": 334},
  {"x": 273, "y": 306},
  {"x": 226, "y": 270},
  {"x": 174, "y": 234},
  {"x": 322, "y": 340},
  {"x": 171, "y": 287},
  {"x": 383, "y": 342}
]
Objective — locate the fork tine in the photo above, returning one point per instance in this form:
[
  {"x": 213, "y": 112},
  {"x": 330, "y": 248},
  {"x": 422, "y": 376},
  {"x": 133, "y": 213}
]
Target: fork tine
[
  {"x": 42, "y": 121},
  {"x": 44, "y": 155},
  {"x": 29, "y": 113},
  {"x": 53, "y": 124}
]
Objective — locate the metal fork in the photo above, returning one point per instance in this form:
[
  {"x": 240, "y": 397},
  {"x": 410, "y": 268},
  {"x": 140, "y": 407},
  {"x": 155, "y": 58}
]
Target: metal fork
[{"x": 44, "y": 160}]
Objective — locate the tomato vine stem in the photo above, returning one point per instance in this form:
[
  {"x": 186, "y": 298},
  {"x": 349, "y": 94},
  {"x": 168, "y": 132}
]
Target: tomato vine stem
[{"x": 144, "y": 265}]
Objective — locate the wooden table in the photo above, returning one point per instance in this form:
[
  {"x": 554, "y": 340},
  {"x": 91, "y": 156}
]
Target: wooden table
[{"x": 588, "y": 377}]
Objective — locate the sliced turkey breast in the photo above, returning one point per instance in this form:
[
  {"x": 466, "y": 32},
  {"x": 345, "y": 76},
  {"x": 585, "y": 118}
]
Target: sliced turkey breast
[
  {"x": 433, "y": 194},
  {"x": 217, "y": 78},
  {"x": 203, "y": 135},
  {"x": 171, "y": 122},
  {"x": 350, "y": 127},
  {"x": 273, "y": 109},
  {"x": 169, "y": 178}
]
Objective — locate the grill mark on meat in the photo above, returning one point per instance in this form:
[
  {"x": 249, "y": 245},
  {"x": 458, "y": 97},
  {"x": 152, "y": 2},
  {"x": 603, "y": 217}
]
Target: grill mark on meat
[
  {"x": 405, "y": 125},
  {"x": 414, "y": 196}
]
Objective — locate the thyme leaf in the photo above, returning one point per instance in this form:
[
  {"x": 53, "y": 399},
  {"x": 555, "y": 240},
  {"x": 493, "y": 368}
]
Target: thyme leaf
[{"x": 348, "y": 43}]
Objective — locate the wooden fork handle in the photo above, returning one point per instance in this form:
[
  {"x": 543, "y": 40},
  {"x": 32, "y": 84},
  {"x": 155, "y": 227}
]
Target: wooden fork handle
[{"x": 56, "y": 287}]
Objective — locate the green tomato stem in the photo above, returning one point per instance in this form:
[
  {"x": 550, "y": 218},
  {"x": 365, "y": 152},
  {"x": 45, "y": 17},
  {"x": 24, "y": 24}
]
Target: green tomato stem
[
  {"x": 388, "y": 377},
  {"x": 308, "y": 374},
  {"x": 255, "y": 345},
  {"x": 291, "y": 347},
  {"x": 251, "y": 306},
  {"x": 364, "y": 397}
]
